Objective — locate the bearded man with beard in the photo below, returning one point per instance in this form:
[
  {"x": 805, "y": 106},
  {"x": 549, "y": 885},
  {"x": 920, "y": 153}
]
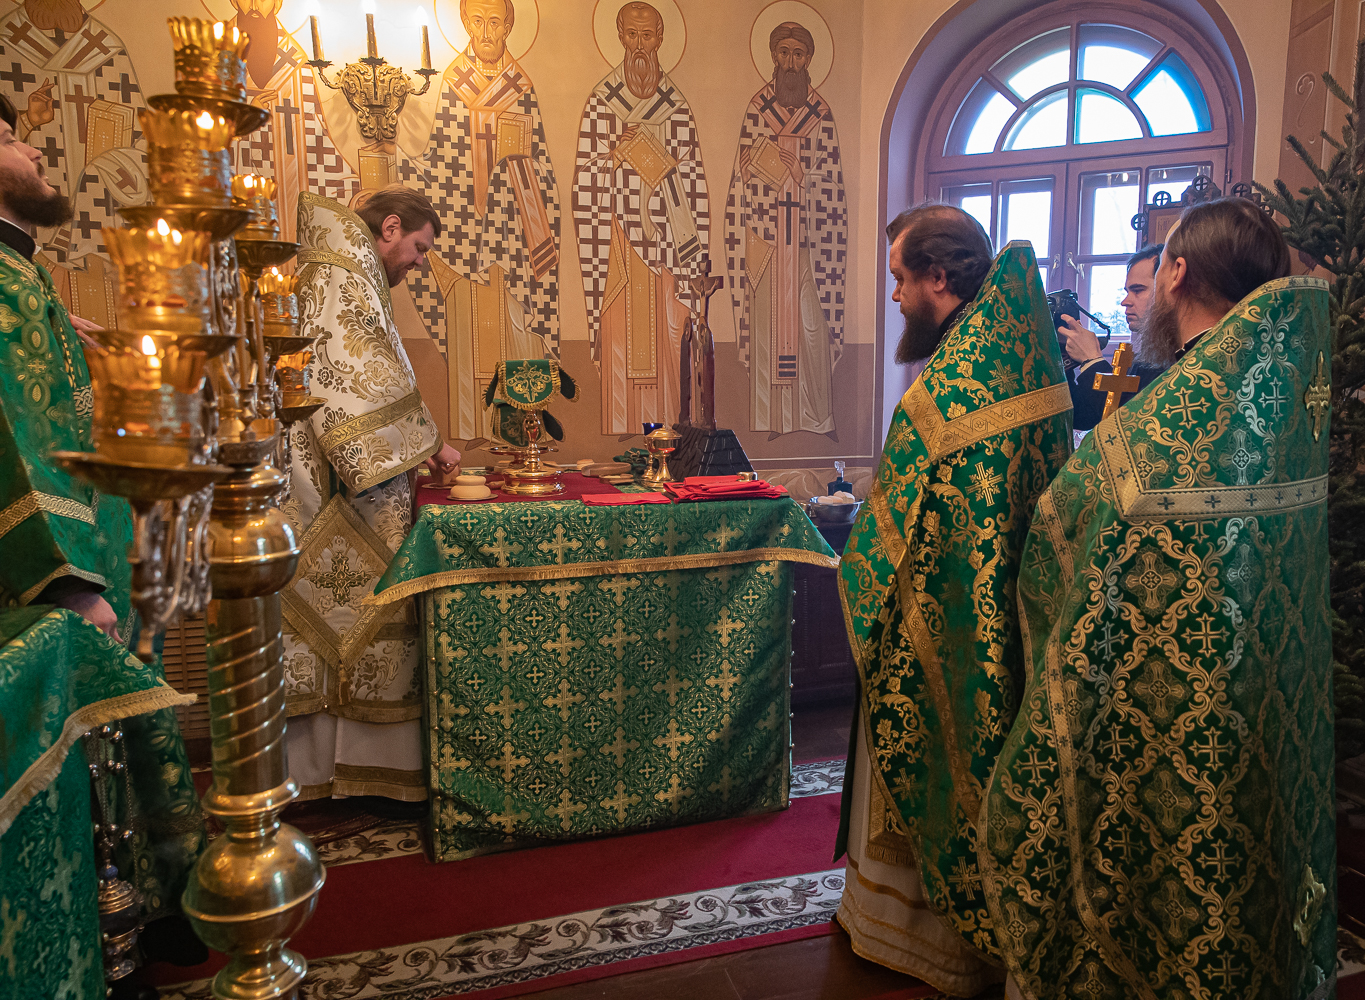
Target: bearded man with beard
[
  {"x": 927, "y": 583},
  {"x": 786, "y": 220},
  {"x": 1161, "y": 819},
  {"x": 643, "y": 221},
  {"x": 66, "y": 545}
]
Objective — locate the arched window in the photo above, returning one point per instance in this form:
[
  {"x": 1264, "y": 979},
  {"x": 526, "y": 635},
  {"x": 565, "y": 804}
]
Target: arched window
[{"x": 1066, "y": 123}]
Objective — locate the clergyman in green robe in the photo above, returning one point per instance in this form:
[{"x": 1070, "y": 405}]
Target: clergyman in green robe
[
  {"x": 927, "y": 581},
  {"x": 1161, "y": 822},
  {"x": 64, "y": 544}
]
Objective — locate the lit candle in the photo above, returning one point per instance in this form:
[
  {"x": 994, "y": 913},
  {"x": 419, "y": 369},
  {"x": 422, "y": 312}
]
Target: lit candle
[
  {"x": 426, "y": 49},
  {"x": 317, "y": 39},
  {"x": 369, "y": 37}
]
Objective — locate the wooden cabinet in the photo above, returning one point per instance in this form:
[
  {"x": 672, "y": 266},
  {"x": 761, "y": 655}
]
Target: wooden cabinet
[{"x": 822, "y": 660}]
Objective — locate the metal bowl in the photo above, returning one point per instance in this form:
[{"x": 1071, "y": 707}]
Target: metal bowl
[{"x": 832, "y": 513}]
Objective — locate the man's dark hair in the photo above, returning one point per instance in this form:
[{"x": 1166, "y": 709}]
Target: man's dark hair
[
  {"x": 1230, "y": 248},
  {"x": 946, "y": 238},
  {"x": 412, "y": 208},
  {"x": 1152, "y": 253},
  {"x": 8, "y": 114}
]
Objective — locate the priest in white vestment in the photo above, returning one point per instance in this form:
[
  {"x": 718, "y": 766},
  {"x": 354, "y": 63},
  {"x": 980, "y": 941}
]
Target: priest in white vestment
[{"x": 351, "y": 668}]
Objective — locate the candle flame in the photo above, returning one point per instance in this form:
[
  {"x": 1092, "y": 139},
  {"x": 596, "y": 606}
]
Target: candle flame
[
  {"x": 162, "y": 228},
  {"x": 205, "y": 120},
  {"x": 148, "y": 346},
  {"x": 218, "y": 27}
]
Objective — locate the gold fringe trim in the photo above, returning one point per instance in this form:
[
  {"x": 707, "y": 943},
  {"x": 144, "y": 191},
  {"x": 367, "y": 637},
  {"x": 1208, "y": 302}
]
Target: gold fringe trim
[
  {"x": 43, "y": 771},
  {"x": 653, "y": 564}
]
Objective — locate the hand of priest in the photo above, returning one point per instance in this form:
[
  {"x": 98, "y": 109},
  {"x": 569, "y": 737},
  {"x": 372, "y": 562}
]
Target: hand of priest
[
  {"x": 445, "y": 464},
  {"x": 84, "y": 327},
  {"x": 1081, "y": 343},
  {"x": 94, "y": 609}
]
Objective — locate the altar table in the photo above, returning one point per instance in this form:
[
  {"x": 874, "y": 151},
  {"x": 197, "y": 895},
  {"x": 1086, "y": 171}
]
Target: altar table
[{"x": 601, "y": 670}]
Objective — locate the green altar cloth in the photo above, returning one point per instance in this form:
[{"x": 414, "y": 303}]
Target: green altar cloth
[
  {"x": 596, "y": 670},
  {"x": 59, "y": 677},
  {"x": 1161, "y": 821}
]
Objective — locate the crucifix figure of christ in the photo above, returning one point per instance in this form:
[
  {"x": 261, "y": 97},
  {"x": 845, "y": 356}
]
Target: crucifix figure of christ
[
  {"x": 1119, "y": 382},
  {"x": 786, "y": 234},
  {"x": 699, "y": 354}
]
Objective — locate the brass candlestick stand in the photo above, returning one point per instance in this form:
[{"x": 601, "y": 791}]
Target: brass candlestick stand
[
  {"x": 187, "y": 421},
  {"x": 532, "y": 477},
  {"x": 376, "y": 93}
]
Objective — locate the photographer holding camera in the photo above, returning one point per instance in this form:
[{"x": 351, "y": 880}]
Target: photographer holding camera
[{"x": 1082, "y": 347}]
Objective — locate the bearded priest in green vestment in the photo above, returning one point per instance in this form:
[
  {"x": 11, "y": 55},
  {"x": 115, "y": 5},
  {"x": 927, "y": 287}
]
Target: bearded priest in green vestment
[
  {"x": 66, "y": 545},
  {"x": 927, "y": 582},
  {"x": 1161, "y": 822},
  {"x": 350, "y": 668}
]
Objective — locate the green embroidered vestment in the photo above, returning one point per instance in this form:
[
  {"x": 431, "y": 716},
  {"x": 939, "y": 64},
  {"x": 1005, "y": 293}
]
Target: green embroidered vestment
[
  {"x": 1161, "y": 820},
  {"x": 54, "y": 525},
  {"x": 927, "y": 578}
]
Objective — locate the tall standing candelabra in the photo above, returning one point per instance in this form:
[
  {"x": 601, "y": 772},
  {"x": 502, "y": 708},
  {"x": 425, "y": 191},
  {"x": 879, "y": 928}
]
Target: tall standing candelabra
[
  {"x": 376, "y": 93},
  {"x": 188, "y": 420}
]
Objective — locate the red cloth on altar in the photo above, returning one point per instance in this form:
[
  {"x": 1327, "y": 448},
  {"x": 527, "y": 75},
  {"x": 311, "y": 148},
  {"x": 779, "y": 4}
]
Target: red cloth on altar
[{"x": 575, "y": 486}]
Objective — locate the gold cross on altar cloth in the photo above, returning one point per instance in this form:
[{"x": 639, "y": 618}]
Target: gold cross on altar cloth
[{"x": 1120, "y": 381}]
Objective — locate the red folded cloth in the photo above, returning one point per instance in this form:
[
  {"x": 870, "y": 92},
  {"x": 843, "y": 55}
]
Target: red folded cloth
[
  {"x": 622, "y": 499},
  {"x": 705, "y": 488}
]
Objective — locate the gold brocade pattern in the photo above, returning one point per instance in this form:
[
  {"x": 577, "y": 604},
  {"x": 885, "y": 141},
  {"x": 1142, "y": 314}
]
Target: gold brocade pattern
[
  {"x": 32, "y": 503},
  {"x": 1161, "y": 812}
]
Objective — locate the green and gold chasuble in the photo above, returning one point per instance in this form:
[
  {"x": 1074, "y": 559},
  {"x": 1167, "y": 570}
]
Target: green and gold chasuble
[
  {"x": 927, "y": 581},
  {"x": 351, "y": 669},
  {"x": 54, "y": 525},
  {"x": 1161, "y": 820},
  {"x": 51, "y": 524},
  {"x": 59, "y": 677}
]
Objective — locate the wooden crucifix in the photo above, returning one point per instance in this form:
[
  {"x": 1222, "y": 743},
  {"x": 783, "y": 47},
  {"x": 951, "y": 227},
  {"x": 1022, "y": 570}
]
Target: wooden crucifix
[
  {"x": 1119, "y": 382},
  {"x": 698, "y": 343}
]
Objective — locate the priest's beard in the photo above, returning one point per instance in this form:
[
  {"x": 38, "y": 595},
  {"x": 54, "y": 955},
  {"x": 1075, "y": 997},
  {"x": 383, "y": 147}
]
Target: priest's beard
[
  {"x": 1160, "y": 337},
  {"x": 921, "y": 335},
  {"x": 642, "y": 72},
  {"x": 265, "y": 40},
  {"x": 793, "y": 85},
  {"x": 33, "y": 200},
  {"x": 66, "y": 15}
]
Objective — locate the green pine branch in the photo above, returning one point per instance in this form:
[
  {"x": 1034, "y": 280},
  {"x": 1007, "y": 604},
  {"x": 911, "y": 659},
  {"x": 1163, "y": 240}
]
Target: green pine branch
[{"x": 1325, "y": 222}]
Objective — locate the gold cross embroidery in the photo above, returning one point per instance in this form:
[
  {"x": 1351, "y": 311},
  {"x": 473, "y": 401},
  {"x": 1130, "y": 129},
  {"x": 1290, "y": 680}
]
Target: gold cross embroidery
[
  {"x": 673, "y": 686},
  {"x": 620, "y": 802},
  {"x": 509, "y": 761},
  {"x": 619, "y": 693},
  {"x": 564, "y": 646},
  {"x": 506, "y": 707},
  {"x": 620, "y": 747},
  {"x": 619, "y": 639},
  {"x": 1318, "y": 398},
  {"x": 565, "y": 701},
  {"x": 565, "y": 756},
  {"x": 675, "y": 794},
  {"x": 674, "y": 740}
]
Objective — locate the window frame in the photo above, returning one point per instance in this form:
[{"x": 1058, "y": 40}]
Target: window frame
[{"x": 1219, "y": 147}]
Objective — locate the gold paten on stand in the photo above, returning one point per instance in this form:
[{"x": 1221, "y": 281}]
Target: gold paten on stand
[
  {"x": 532, "y": 477},
  {"x": 188, "y": 378}
]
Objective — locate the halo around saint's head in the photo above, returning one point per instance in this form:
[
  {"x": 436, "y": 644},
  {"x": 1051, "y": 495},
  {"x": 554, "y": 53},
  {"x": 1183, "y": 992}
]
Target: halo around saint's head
[
  {"x": 806, "y": 16},
  {"x": 609, "y": 43},
  {"x": 519, "y": 42}
]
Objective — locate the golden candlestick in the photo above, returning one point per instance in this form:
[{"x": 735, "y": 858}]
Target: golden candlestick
[
  {"x": 182, "y": 305},
  {"x": 426, "y": 49},
  {"x": 317, "y": 39}
]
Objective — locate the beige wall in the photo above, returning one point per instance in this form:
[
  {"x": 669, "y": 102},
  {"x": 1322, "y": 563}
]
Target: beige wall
[{"x": 873, "y": 39}]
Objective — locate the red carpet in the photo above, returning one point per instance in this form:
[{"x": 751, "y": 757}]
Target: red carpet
[{"x": 380, "y": 904}]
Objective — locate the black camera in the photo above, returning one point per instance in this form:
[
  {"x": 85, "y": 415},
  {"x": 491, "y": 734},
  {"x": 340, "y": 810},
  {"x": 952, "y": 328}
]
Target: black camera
[{"x": 1064, "y": 303}]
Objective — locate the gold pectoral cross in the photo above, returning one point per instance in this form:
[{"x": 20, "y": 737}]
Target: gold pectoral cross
[{"x": 1119, "y": 382}]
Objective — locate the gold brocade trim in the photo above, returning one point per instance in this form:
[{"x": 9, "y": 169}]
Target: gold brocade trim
[
  {"x": 397, "y": 631},
  {"x": 1208, "y": 503},
  {"x": 65, "y": 569},
  {"x": 652, "y": 564},
  {"x": 395, "y": 471},
  {"x": 309, "y": 792},
  {"x": 554, "y": 375},
  {"x": 337, "y": 518},
  {"x": 378, "y": 712},
  {"x": 1052, "y": 524},
  {"x": 45, "y": 769},
  {"x": 405, "y": 786},
  {"x": 304, "y": 704},
  {"x": 944, "y": 437},
  {"x": 31, "y": 503},
  {"x": 334, "y": 259},
  {"x": 353, "y": 428}
]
